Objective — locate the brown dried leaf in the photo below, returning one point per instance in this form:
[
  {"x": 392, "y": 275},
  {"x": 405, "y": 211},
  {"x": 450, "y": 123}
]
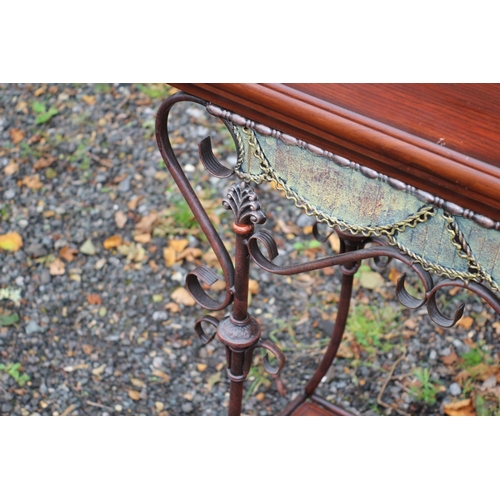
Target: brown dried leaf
[
  {"x": 32, "y": 181},
  {"x": 143, "y": 238},
  {"x": 132, "y": 204},
  {"x": 87, "y": 349},
  {"x": 45, "y": 162},
  {"x": 190, "y": 254},
  {"x": 182, "y": 296},
  {"x": 178, "y": 245},
  {"x": 57, "y": 268},
  {"x": 137, "y": 382},
  {"x": 465, "y": 322},
  {"x": 172, "y": 307},
  {"x": 463, "y": 408},
  {"x": 94, "y": 299},
  {"x": 112, "y": 242},
  {"x": 201, "y": 367},
  {"x": 450, "y": 359},
  {"x": 11, "y": 168},
  {"x": 146, "y": 224},
  {"x": 67, "y": 253},
  {"x": 16, "y": 135},
  {"x": 164, "y": 376},
  {"x": 394, "y": 275},
  {"x": 135, "y": 395},
  {"x": 88, "y": 99},
  {"x": 40, "y": 90},
  {"x": 253, "y": 287},
  {"x": 10, "y": 242},
  {"x": 120, "y": 219},
  {"x": 169, "y": 255},
  {"x": 334, "y": 241}
]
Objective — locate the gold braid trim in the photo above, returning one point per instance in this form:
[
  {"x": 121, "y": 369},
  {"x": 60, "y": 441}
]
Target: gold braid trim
[{"x": 475, "y": 273}]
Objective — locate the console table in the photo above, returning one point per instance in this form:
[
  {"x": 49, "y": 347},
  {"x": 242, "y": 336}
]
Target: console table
[{"x": 411, "y": 169}]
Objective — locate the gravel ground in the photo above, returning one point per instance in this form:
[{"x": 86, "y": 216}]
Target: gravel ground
[{"x": 94, "y": 321}]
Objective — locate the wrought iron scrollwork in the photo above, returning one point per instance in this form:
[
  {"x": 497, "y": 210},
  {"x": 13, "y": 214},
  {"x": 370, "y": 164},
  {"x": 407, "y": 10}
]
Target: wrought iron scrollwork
[{"x": 239, "y": 332}]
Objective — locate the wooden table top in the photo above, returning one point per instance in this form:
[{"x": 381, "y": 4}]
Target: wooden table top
[{"x": 442, "y": 138}]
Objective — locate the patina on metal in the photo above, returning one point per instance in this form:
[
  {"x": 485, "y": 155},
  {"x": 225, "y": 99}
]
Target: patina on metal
[{"x": 327, "y": 187}]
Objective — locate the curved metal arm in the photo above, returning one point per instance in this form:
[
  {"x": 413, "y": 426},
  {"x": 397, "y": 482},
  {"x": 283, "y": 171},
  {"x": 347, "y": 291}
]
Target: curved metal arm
[
  {"x": 378, "y": 251},
  {"x": 175, "y": 169}
]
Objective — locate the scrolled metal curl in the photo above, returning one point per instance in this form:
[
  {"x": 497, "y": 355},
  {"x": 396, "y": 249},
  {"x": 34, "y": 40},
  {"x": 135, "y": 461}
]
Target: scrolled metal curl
[
  {"x": 215, "y": 168},
  {"x": 198, "y": 328}
]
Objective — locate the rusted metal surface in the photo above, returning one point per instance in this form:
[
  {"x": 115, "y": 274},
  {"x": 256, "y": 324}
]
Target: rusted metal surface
[{"x": 238, "y": 331}]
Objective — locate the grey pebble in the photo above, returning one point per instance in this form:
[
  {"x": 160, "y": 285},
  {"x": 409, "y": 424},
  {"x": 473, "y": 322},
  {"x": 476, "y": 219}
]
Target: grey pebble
[
  {"x": 160, "y": 316},
  {"x": 187, "y": 407},
  {"x": 32, "y": 327},
  {"x": 9, "y": 194},
  {"x": 455, "y": 389},
  {"x": 305, "y": 220},
  {"x": 124, "y": 185}
]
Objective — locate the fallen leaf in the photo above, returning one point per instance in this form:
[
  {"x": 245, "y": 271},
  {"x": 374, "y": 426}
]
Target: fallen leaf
[
  {"x": 136, "y": 382},
  {"x": 153, "y": 265},
  {"x": 213, "y": 379},
  {"x": 178, "y": 245},
  {"x": 172, "y": 307},
  {"x": 463, "y": 408},
  {"x": 57, "y": 268},
  {"x": 9, "y": 319},
  {"x": 11, "y": 168},
  {"x": 135, "y": 395},
  {"x": 164, "y": 376},
  {"x": 201, "y": 367},
  {"x": 465, "y": 322},
  {"x": 45, "y": 162},
  {"x": 169, "y": 255},
  {"x": 182, "y": 296},
  {"x": 334, "y": 241},
  {"x": 100, "y": 264},
  {"x": 113, "y": 242},
  {"x": 88, "y": 99},
  {"x": 253, "y": 287},
  {"x": 280, "y": 386},
  {"x": 88, "y": 248},
  {"x": 159, "y": 406},
  {"x": 68, "y": 411},
  {"x": 190, "y": 254},
  {"x": 132, "y": 204},
  {"x": 345, "y": 351},
  {"x": 67, "y": 253},
  {"x": 39, "y": 91},
  {"x": 16, "y": 135},
  {"x": 142, "y": 238},
  {"x": 10, "y": 242},
  {"x": 450, "y": 359},
  {"x": 371, "y": 280},
  {"x": 94, "y": 299},
  {"x": 32, "y": 181},
  {"x": 98, "y": 371},
  {"x": 394, "y": 275},
  {"x": 87, "y": 349},
  {"x": 102, "y": 312},
  {"x": 120, "y": 219},
  {"x": 146, "y": 224},
  {"x": 489, "y": 383}
]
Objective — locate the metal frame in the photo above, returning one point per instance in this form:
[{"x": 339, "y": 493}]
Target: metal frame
[{"x": 238, "y": 331}]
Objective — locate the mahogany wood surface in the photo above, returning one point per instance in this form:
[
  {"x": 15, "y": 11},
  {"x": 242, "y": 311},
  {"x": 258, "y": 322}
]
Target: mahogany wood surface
[
  {"x": 309, "y": 409},
  {"x": 442, "y": 138}
]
